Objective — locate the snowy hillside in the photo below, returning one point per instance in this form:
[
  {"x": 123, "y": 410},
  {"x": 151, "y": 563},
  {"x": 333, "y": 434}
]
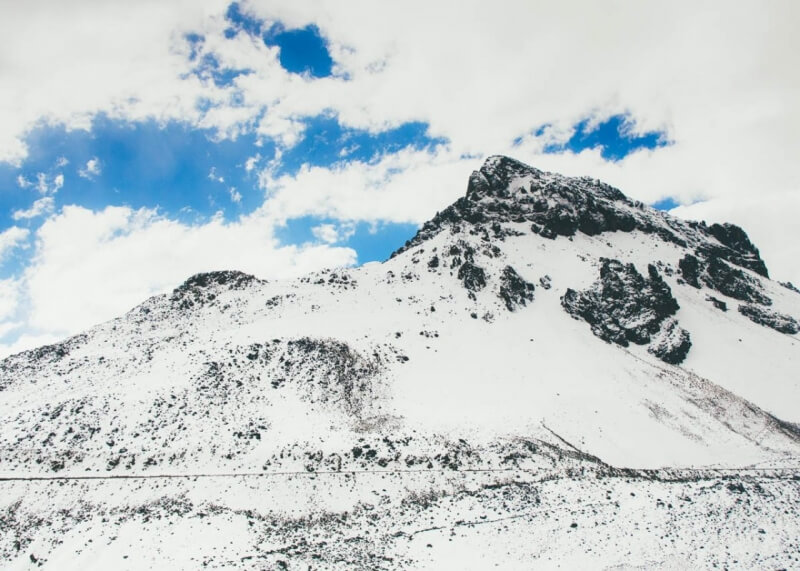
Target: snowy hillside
[{"x": 517, "y": 364}]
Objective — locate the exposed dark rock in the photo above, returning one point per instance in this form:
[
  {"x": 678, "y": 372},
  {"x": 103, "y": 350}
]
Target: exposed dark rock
[
  {"x": 720, "y": 275},
  {"x": 718, "y": 303},
  {"x": 230, "y": 279},
  {"x": 744, "y": 253},
  {"x": 545, "y": 282},
  {"x": 203, "y": 288},
  {"x": 473, "y": 277},
  {"x": 506, "y": 192},
  {"x": 515, "y": 291},
  {"x": 624, "y": 307},
  {"x": 778, "y": 321},
  {"x": 733, "y": 282},
  {"x": 790, "y": 285},
  {"x": 671, "y": 344},
  {"x": 690, "y": 270}
]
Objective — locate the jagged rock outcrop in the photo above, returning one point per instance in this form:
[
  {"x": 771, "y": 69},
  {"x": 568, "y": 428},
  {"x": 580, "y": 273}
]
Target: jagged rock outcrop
[
  {"x": 624, "y": 307},
  {"x": 671, "y": 343},
  {"x": 790, "y": 286},
  {"x": 740, "y": 250},
  {"x": 505, "y": 192},
  {"x": 515, "y": 291},
  {"x": 203, "y": 288},
  {"x": 473, "y": 277},
  {"x": 772, "y": 319},
  {"x": 721, "y": 276}
]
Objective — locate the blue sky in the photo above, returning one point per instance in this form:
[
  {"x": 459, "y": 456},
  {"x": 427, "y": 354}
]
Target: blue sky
[
  {"x": 186, "y": 174},
  {"x": 145, "y": 142}
]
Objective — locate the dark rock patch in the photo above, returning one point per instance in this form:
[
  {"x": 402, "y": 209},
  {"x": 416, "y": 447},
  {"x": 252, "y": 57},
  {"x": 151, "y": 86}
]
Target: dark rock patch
[
  {"x": 514, "y": 291},
  {"x": 625, "y": 307},
  {"x": 790, "y": 286},
  {"x": 741, "y": 252},
  {"x": 473, "y": 277},
  {"x": 778, "y": 321},
  {"x": 505, "y": 192},
  {"x": 718, "y": 303},
  {"x": 671, "y": 344},
  {"x": 201, "y": 289},
  {"x": 721, "y": 276},
  {"x": 733, "y": 282},
  {"x": 690, "y": 269}
]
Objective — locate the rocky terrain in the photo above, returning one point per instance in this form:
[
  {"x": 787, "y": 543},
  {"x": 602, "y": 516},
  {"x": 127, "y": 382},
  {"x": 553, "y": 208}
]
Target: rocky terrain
[{"x": 547, "y": 375}]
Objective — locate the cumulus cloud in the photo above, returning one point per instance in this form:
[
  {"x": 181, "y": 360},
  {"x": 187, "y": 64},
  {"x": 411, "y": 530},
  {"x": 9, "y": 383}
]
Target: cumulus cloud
[
  {"x": 39, "y": 208},
  {"x": 9, "y": 299},
  {"x": 408, "y": 186},
  {"x": 102, "y": 263}
]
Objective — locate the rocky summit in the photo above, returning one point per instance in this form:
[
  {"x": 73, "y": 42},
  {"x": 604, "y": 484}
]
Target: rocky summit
[{"x": 548, "y": 375}]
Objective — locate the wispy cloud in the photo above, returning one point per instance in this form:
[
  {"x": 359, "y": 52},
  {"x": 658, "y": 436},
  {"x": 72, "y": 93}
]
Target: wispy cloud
[
  {"x": 39, "y": 208},
  {"x": 10, "y": 239},
  {"x": 91, "y": 170},
  {"x": 333, "y": 233}
]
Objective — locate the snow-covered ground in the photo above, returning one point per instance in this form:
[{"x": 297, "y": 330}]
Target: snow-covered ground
[{"x": 452, "y": 407}]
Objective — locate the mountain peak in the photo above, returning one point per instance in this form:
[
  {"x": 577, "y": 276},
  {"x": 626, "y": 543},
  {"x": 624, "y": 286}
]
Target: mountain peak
[{"x": 505, "y": 191}]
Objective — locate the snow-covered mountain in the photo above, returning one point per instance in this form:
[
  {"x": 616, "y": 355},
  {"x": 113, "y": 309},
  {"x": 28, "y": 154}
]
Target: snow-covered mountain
[{"x": 543, "y": 344}]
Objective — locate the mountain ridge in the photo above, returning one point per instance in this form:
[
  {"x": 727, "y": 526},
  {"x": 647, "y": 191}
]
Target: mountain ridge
[{"x": 541, "y": 328}]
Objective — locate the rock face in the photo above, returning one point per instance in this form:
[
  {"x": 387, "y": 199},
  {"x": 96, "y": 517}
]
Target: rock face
[
  {"x": 515, "y": 291},
  {"x": 772, "y": 319},
  {"x": 473, "y": 277},
  {"x": 204, "y": 288},
  {"x": 624, "y": 307},
  {"x": 740, "y": 250},
  {"x": 721, "y": 276},
  {"x": 671, "y": 343},
  {"x": 505, "y": 190}
]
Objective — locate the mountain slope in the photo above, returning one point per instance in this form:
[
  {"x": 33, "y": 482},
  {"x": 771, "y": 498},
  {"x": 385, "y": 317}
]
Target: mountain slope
[{"x": 539, "y": 323}]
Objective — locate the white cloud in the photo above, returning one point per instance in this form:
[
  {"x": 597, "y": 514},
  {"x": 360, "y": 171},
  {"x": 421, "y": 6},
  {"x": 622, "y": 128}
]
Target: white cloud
[
  {"x": 39, "y": 208},
  {"x": 235, "y": 195},
  {"x": 251, "y": 162},
  {"x": 333, "y": 233},
  {"x": 27, "y": 341},
  {"x": 10, "y": 239},
  {"x": 408, "y": 186},
  {"x": 91, "y": 170},
  {"x": 45, "y": 183},
  {"x": 92, "y": 266},
  {"x": 9, "y": 298}
]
